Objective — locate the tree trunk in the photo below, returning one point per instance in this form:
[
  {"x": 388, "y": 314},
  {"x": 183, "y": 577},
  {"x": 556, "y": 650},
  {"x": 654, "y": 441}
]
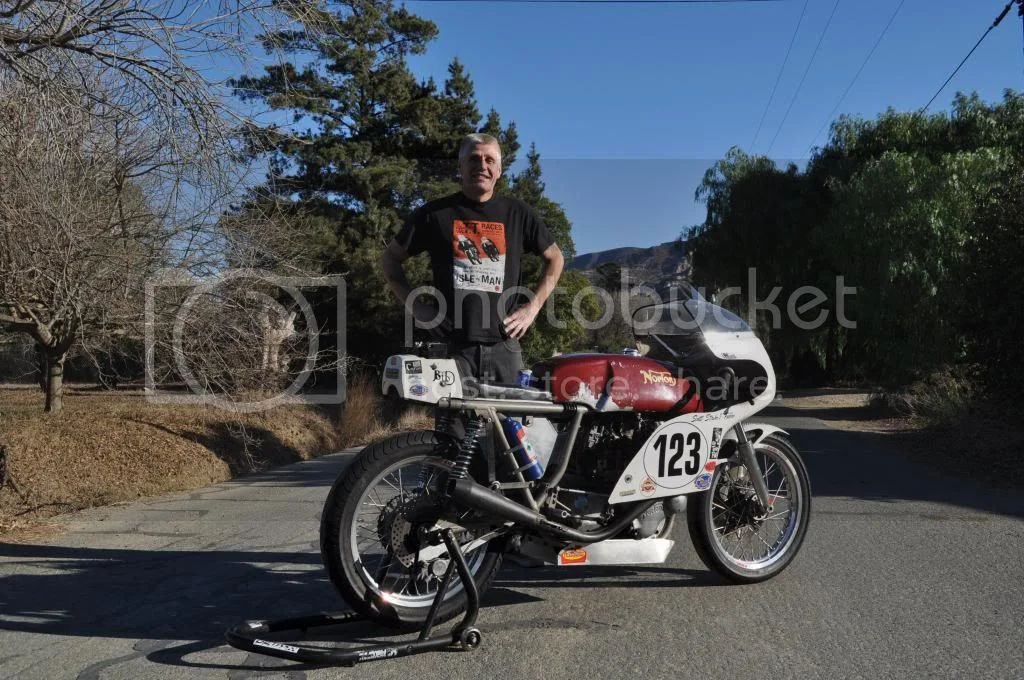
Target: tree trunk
[
  {"x": 41, "y": 364},
  {"x": 54, "y": 383}
]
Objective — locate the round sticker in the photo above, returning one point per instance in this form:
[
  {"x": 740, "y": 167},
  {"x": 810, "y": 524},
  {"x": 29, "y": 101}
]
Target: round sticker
[{"x": 675, "y": 455}]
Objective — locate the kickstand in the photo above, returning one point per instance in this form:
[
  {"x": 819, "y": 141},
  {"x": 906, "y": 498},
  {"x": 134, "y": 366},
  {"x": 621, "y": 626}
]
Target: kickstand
[{"x": 464, "y": 635}]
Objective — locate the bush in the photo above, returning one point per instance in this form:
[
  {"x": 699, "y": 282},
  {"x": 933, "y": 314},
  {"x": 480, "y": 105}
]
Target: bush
[{"x": 942, "y": 398}]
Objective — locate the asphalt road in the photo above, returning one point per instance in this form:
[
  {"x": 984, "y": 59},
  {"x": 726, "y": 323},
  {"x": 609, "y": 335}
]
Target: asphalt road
[{"x": 903, "y": 574}]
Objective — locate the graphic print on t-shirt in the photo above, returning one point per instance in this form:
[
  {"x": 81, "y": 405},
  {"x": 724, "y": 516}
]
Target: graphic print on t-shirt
[{"x": 479, "y": 250}]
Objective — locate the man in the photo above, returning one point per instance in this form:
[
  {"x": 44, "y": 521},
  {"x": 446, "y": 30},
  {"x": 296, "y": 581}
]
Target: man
[{"x": 483, "y": 325}]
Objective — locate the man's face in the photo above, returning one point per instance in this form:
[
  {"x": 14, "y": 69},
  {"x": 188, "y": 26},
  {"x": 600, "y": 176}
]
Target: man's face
[{"x": 480, "y": 169}]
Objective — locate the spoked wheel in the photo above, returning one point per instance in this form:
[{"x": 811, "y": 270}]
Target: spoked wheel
[
  {"x": 729, "y": 529},
  {"x": 374, "y": 523}
]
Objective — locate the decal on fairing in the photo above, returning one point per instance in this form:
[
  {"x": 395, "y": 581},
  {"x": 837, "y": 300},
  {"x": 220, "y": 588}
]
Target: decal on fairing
[
  {"x": 703, "y": 482},
  {"x": 716, "y": 440},
  {"x": 677, "y": 454}
]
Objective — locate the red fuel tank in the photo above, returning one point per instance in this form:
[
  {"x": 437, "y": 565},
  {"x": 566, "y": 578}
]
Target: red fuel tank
[{"x": 612, "y": 382}]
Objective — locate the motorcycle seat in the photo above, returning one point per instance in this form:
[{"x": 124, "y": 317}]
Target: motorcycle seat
[{"x": 485, "y": 390}]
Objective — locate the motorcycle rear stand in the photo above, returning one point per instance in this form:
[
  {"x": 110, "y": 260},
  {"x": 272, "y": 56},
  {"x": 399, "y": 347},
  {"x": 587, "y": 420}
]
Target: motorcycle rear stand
[{"x": 464, "y": 635}]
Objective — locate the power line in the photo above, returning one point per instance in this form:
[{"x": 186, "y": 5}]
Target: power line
[
  {"x": 999, "y": 19},
  {"x": 779, "y": 77},
  {"x": 610, "y": 2},
  {"x": 807, "y": 70},
  {"x": 857, "y": 75}
]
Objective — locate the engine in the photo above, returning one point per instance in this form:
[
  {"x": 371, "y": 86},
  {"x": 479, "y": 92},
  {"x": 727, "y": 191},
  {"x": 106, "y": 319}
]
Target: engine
[{"x": 604, "y": 446}]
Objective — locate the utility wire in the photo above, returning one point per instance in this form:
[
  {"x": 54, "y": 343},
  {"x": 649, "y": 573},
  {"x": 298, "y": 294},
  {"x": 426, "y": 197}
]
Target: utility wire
[
  {"x": 807, "y": 70},
  {"x": 857, "y": 75},
  {"x": 609, "y": 2},
  {"x": 779, "y": 77},
  {"x": 999, "y": 19}
]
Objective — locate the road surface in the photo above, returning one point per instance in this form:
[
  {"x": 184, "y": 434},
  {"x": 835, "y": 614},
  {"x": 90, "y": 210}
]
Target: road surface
[{"x": 904, "y": 574}]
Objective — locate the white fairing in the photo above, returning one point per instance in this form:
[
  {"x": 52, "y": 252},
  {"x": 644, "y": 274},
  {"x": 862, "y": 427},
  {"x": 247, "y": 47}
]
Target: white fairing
[
  {"x": 681, "y": 455},
  {"x": 419, "y": 379}
]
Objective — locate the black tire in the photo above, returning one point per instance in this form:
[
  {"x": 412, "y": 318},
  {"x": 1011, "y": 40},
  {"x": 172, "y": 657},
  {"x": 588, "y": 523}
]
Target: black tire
[
  {"x": 343, "y": 565},
  {"x": 702, "y": 514}
]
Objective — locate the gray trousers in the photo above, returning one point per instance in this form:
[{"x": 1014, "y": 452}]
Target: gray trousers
[{"x": 492, "y": 363}]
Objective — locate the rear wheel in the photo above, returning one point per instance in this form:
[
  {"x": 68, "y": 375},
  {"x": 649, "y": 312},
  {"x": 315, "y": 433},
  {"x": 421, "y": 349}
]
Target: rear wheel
[
  {"x": 730, "y": 532},
  {"x": 371, "y": 526}
]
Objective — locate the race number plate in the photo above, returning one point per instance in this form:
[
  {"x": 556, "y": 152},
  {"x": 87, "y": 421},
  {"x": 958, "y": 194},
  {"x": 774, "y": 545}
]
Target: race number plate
[{"x": 676, "y": 459}]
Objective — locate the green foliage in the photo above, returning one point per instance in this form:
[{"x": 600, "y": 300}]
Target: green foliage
[
  {"x": 558, "y": 328},
  {"x": 921, "y": 213}
]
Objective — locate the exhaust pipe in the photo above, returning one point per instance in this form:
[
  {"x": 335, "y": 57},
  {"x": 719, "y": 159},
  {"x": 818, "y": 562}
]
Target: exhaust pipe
[{"x": 479, "y": 497}]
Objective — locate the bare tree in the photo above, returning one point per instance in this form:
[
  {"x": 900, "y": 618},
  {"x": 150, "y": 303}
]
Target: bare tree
[
  {"x": 117, "y": 159},
  {"x": 77, "y": 234}
]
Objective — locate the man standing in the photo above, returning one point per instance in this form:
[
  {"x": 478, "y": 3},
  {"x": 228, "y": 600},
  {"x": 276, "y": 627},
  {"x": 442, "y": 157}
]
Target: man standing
[{"x": 484, "y": 313}]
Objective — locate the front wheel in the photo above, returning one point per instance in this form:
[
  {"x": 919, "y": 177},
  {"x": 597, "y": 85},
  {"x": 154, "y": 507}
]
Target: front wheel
[
  {"x": 730, "y": 531},
  {"x": 369, "y": 534}
]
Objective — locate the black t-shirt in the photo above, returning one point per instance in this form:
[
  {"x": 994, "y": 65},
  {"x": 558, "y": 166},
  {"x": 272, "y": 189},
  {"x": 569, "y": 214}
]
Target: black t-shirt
[{"x": 475, "y": 253}]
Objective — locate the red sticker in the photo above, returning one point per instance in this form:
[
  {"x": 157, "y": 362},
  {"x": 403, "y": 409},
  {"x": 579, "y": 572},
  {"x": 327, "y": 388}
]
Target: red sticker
[
  {"x": 572, "y": 557},
  {"x": 710, "y": 466}
]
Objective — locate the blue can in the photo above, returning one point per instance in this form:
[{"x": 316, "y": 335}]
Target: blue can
[
  {"x": 524, "y": 377},
  {"x": 522, "y": 449}
]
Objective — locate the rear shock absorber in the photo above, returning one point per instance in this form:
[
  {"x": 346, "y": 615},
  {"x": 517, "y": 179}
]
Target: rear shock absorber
[{"x": 469, "y": 445}]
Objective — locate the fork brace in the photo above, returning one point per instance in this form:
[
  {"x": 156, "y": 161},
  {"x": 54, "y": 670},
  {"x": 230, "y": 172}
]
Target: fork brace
[{"x": 464, "y": 635}]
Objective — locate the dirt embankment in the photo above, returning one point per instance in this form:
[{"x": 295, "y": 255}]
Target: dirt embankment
[{"x": 109, "y": 447}]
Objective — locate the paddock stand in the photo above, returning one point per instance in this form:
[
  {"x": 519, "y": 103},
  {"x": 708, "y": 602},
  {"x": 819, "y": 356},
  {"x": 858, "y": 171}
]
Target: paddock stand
[{"x": 464, "y": 635}]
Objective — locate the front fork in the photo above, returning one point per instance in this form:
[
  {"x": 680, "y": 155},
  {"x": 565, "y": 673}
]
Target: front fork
[{"x": 746, "y": 451}]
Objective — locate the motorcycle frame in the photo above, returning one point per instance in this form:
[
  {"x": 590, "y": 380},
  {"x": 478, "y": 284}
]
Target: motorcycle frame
[{"x": 477, "y": 496}]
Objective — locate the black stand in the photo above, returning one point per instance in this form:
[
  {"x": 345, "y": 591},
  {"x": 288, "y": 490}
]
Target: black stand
[{"x": 464, "y": 635}]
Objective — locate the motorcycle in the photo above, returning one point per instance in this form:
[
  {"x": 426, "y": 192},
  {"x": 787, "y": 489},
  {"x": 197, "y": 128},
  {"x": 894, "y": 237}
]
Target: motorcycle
[{"x": 590, "y": 462}]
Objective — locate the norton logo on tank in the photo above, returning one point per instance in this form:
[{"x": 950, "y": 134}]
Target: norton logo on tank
[{"x": 479, "y": 250}]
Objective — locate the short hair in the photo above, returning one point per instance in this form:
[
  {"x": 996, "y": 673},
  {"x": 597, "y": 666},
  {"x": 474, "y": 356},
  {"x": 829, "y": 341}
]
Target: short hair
[{"x": 476, "y": 139}]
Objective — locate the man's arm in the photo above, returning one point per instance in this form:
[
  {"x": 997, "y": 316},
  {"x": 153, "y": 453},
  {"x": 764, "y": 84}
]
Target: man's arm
[
  {"x": 391, "y": 262},
  {"x": 519, "y": 321},
  {"x": 426, "y": 314}
]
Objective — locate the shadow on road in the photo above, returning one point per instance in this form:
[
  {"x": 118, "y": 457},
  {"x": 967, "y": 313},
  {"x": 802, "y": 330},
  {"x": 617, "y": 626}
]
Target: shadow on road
[{"x": 872, "y": 466}]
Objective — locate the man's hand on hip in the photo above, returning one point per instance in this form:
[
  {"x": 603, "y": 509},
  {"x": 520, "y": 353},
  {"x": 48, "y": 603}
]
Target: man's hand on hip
[{"x": 519, "y": 321}]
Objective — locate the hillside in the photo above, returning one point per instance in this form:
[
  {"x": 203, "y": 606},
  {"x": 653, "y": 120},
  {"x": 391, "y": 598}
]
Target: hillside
[{"x": 655, "y": 266}]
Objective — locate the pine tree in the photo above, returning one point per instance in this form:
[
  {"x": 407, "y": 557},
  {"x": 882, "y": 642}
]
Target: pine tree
[{"x": 376, "y": 144}]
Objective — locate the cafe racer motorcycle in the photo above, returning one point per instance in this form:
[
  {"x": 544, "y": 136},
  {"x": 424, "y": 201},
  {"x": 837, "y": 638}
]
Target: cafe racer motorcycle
[{"x": 607, "y": 451}]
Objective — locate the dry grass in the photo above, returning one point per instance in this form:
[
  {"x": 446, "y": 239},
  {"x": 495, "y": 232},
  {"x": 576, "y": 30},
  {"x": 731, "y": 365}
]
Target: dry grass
[
  {"x": 108, "y": 447},
  {"x": 368, "y": 416}
]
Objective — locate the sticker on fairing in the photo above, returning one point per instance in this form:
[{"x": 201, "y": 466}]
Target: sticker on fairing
[
  {"x": 418, "y": 390},
  {"x": 648, "y": 487},
  {"x": 716, "y": 441},
  {"x": 703, "y": 482}
]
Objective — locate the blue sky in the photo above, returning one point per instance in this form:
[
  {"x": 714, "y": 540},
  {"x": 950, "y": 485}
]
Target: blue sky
[{"x": 629, "y": 104}]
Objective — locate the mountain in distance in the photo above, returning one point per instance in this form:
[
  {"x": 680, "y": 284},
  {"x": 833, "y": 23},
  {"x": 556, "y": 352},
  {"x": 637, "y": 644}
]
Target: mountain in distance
[{"x": 656, "y": 266}]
